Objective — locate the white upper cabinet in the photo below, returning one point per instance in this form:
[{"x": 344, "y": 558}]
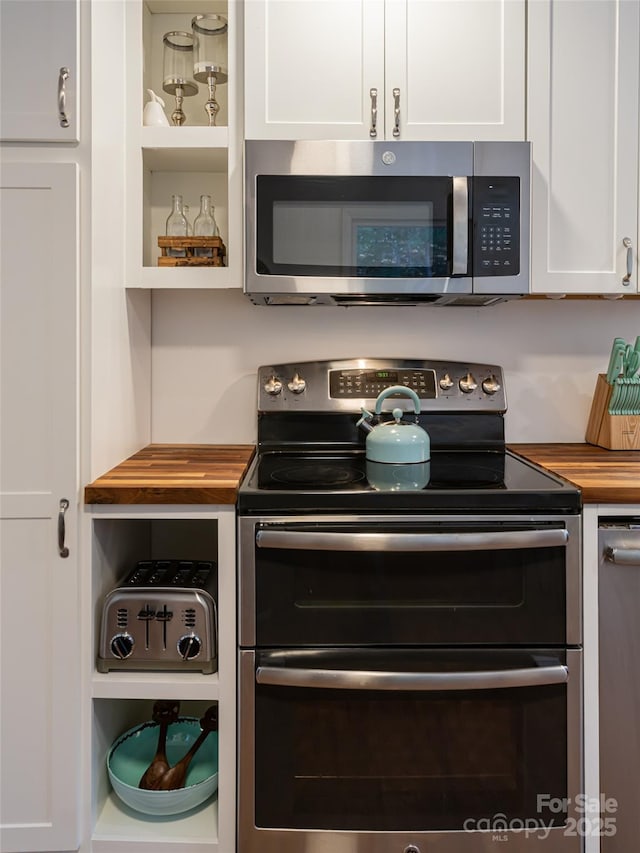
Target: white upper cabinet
[
  {"x": 406, "y": 69},
  {"x": 39, "y": 70},
  {"x": 455, "y": 69},
  {"x": 313, "y": 70},
  {"x": 583, "y": 125},
  {"x": 190, "y": 160}
]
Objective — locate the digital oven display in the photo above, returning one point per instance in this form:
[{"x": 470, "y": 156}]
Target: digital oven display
[{"x": 385, "y": 375}]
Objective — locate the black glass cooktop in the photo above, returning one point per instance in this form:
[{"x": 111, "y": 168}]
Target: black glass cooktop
[{"x": 464, "y": 480}]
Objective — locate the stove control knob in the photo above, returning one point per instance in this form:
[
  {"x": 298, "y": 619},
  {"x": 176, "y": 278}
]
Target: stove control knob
[
  {"x": 491, "y": 385},
  {"x": 468, "y": 384},
  {"x": 297, "y": 384},
  {"x": 446, "y": 382},
  {"x": 189, "y": 646},
  {"x": 122, "y": 646},
  {"x": 273, "y": 385}
]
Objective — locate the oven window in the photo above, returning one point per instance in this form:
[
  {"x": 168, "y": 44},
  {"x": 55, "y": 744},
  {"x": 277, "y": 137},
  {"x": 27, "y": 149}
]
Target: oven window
[
  {"x": 385, "y": 760},
  {"x": 354, "y": 226},
  {"x": 495, "y": 596}
]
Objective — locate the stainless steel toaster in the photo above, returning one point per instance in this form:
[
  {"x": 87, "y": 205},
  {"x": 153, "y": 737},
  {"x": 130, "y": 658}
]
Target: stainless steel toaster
[{"x": 163, "y": 617}]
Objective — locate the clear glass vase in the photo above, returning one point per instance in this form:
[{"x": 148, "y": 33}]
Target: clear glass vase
[
  {"x": 204, "y": 225},
  {"x": 177, "y": 225}
]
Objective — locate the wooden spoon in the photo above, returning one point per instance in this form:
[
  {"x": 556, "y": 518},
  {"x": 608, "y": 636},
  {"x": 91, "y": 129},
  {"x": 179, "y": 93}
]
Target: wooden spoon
[
  {"x": 176, "y": 776},
  {"x": 165, "y": 711}
]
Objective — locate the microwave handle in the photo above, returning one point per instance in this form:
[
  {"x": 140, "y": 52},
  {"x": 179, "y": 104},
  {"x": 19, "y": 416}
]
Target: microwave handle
[
  {"x": 460, "y": 227},
  {"x": 340, "y": 679},
  {"x": 354, "y": 541}
]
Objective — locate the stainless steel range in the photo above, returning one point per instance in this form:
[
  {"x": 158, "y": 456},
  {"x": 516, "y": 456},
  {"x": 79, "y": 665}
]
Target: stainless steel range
[{"x": 410, "y": 635}]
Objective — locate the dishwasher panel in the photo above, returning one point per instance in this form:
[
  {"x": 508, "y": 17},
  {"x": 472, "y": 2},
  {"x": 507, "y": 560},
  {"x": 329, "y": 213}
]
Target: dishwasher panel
[{"x": 619, "y": 630}]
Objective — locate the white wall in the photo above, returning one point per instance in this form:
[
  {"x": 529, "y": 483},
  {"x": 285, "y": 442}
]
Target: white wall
[
  {"x": 206, "y": 348},
  {"x": 119, "y": 409}
]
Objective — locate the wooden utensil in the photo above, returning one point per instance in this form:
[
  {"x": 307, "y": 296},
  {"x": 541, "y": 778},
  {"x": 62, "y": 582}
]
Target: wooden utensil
[
  {"x": 175, "y": 777},
  {"x": 165, "y": 711}
]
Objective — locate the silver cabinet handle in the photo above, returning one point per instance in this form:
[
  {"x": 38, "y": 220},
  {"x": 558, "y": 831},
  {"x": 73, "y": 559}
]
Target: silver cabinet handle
[
  {"x": 629, "y": 247},
  {"x": 340, "y": 679},
  {"x": 62, "y": 96},
  {"x": 331, "y": 541},
  {"x": 62, "y": 549},
  {"x": 373, "y": 94},
  {"x": 460, "y": 227},
  {"x": 623, "y": 556},
  {"x": 396, "y": 112}
]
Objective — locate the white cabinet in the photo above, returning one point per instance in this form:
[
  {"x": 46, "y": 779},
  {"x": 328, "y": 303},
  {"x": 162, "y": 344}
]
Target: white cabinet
[
  {"x": 39, "y": 70},
  {"x": 190, "y": 160},
  {"x": 411, "y": 69},
  {"x": 310, "y": 68},
  {"x": 39, "y": 636},
  {"x": 583, "y": 109},
  {"x": 122, "y": 535}
]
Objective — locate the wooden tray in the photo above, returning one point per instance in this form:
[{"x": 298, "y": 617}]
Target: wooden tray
[
  {"x": 615, "y": 432},
  {"x": 189, "y": 245}
]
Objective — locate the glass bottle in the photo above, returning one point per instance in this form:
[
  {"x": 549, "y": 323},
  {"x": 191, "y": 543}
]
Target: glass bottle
[
  {"x": 204, "y": 225},
  {"x": 177, "y": 225},
  {"x": 185, "y": 210}
]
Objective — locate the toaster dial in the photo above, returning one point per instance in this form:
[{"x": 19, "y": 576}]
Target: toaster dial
[
  {"x": 189, "y": 646},
  {"x": 122, "y": 645}
]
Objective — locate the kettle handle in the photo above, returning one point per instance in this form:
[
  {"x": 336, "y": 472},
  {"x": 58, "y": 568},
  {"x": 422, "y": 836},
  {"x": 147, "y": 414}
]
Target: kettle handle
[{"x": 398, "y": 389}]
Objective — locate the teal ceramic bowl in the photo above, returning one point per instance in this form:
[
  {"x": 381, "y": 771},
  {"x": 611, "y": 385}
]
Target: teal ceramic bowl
[{"x": 133, "y": 751}]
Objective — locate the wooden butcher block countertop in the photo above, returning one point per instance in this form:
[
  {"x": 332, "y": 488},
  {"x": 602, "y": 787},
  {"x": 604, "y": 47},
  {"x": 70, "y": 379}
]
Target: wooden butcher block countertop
[
  {"x": 604, "y": 476},
  {"x": 211, "y": 474},
  {"x": 174, "y": 474}
]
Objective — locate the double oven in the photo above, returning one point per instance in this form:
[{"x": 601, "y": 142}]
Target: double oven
[{"x": 409, "y": 657}]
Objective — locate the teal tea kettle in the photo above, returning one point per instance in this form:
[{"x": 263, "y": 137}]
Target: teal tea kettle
[{"x": 396, "y": 441}]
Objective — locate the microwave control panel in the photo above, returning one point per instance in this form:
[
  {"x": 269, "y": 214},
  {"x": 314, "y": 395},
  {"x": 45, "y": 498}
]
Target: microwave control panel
[{"x": 496, "y": 217}]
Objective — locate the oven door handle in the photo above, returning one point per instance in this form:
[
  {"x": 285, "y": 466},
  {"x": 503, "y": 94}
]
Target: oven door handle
[
  {"x": 623, "y": 556},
  {"x": 490, "y": 541},
  {"x": 340, "y": 679}
]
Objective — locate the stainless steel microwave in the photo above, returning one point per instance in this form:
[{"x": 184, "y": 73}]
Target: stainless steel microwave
[{"x": 386, "y": 223}]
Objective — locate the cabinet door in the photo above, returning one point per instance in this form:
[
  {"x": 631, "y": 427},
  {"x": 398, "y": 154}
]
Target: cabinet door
[
  {"x": 310, "y": 67},
  {"x": 583, "y": 126},
  {"x": 38, "y": 42},
  {"x": 39, "y": 619},
  {"x": 458, "y": 69}
]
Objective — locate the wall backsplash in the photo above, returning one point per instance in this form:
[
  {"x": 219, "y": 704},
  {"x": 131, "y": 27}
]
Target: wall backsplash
[{"x": 206, "y": 347}]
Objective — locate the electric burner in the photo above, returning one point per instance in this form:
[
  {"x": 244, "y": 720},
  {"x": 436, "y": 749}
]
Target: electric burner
[{"x": 300, "y": 472}]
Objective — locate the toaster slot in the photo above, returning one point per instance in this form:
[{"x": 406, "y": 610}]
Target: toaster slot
[
  {"x": 164, "y": 616},
  {"x": 146, "y": 615}
]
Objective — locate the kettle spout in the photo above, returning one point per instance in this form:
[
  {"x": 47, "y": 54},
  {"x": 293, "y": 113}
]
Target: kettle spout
[{"x": 365, "y": 421}]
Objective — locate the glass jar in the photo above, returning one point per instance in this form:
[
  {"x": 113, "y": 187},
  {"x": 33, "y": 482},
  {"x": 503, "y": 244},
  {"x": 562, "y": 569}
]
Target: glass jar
[
  {"x": 204, "y": 225},
  {"x": 177, "y": 70},
  {"x": 210, "y": 64},
  {"x": 177, "y": 225}
]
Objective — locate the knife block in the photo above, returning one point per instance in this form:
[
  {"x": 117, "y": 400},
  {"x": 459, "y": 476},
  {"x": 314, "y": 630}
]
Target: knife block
[{"x": 614, "y": 432}]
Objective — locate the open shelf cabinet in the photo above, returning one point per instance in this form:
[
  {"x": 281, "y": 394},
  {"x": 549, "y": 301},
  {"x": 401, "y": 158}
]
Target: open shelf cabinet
[
  {"x": 121, "y": 536},
  {"x": 190, "y": 160}
]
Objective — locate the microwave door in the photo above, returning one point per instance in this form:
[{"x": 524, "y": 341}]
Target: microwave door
[{"x": 370, "y": 235}]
